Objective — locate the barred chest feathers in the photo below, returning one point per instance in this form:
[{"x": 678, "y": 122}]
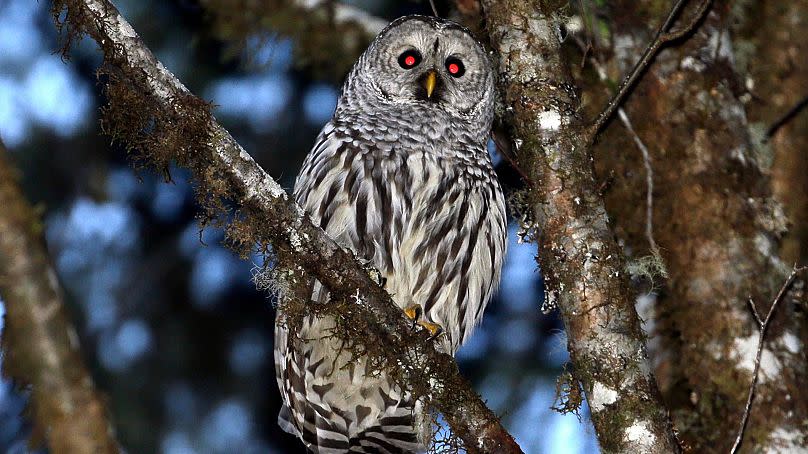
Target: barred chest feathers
[{"x": 427, "y": 212}]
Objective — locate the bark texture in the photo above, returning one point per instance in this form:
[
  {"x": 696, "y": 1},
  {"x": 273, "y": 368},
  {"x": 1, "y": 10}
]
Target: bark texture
[
  {"x": 770, "y": 50},
  {"x": 718, "y": 228},
  {"x": 144, "y": 96},
  {"x": 582, "y": 264},
  {"x": 40, "y": 346}
]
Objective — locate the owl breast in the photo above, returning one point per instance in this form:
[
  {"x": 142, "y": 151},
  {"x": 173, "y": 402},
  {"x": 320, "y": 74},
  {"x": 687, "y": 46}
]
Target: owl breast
[{"x": 427, "y": 212}]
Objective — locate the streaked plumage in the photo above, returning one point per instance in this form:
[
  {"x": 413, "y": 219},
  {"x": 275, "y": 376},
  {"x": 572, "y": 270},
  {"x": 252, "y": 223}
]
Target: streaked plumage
[{"x": 405, "y": 180}]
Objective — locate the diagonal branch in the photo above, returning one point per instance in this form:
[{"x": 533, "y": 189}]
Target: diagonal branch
[
  {"x": 267, "y": 216},
  {"x": 40, "y": 345},
  {"x": 663, "y": 37},
  {"x": 786, "y": 117}
]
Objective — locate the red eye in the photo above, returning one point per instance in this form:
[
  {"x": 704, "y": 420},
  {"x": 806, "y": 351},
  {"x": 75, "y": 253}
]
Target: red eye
[
  {"x": 455, "y": 67},
  {"x": 409, "y": 59}
]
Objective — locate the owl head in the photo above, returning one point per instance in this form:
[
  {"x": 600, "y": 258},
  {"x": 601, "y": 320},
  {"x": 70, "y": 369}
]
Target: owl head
[{"x": 427, "y": 61}]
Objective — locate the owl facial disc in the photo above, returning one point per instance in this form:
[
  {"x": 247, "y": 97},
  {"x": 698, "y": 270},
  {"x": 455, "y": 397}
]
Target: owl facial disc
[{"x": 428, "y": 62}]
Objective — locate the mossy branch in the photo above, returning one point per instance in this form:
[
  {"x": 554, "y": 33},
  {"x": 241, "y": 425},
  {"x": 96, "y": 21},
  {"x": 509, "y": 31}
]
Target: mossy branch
[
  {"x": 582, "y": 263},
  {"x": 158, "y": 119},
  {"x": 40, "y": 345}
]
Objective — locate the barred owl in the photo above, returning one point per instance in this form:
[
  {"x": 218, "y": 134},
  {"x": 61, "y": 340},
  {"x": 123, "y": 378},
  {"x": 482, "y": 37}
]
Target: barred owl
[{"x": 401, "y": 175}]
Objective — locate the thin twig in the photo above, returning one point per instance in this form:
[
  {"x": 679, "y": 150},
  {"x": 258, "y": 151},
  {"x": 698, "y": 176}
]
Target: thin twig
[
  {"x": 788, "y": 116},
  {"x": 434, "y": 8},
  {"x": 663, "y": 36},
  {"x": 590, "y": 35},
  {"x": 649, "y": 181},
  {"x": 646, "y": 156},
  {"x": 763, "y": 325},
  {"x": 755, "y": 313}
]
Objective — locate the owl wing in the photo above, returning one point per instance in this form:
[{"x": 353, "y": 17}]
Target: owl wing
[
  {"x": 342, "y": 186},
  {"x": 330, "y": 401}
]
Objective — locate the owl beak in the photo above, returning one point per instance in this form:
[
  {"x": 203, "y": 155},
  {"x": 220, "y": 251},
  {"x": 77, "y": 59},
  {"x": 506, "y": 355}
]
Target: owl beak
[{"x": 430, "y": 82}]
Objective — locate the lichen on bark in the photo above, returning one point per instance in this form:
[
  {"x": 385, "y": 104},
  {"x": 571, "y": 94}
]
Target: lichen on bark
[{"x": 582, "y": 264}]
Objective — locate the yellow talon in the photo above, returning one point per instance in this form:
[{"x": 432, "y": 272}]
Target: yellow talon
[
  {"x": 413, "y": 312},
  {"x": 434, "y": 329}
]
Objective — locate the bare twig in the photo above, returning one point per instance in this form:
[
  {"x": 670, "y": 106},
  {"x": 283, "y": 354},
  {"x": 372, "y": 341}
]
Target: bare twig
[
  {"x": 762, "y": 325},
  {"x": 40, "y": 346},
  {"x": 646, "y": 156},
  {"x": 434, "y": 8},
  {"x": 504, "y": 151},
  {"x": 649, "y": 182},
  {"x": 270, "y": 217},
  {"x": 786, "y": 117},
  {"x": 663, "y": 37}
]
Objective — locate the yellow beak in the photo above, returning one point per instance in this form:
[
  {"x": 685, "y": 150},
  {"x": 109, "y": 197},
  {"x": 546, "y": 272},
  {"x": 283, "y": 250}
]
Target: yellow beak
[{"x": 429, "y": 82}]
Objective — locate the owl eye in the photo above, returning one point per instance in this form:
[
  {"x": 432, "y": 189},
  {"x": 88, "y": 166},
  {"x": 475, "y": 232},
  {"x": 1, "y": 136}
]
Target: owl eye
[
  {"x": 409, "y": 59},
  {"x": 455, "y": 67}
]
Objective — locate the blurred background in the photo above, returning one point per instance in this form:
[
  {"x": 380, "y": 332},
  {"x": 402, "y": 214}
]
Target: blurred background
[{"x": 170, "y": 323}]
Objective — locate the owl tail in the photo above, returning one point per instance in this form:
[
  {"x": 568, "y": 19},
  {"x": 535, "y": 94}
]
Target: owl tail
[{"x": 392, "y": 435}]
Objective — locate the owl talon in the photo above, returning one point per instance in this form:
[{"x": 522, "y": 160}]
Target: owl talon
[
  {"x": 434, "y": 329},
  {"x": 413, "y": 312}
]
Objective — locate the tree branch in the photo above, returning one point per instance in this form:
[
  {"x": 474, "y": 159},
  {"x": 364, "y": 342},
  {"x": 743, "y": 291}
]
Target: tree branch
[
  {"x": 786, "y": 117},
  {"x": 762, "y": 326},
  {"x": 40, "y": 345},
  {"x": 663, "y": 37},
  {"x": 185, "y": 132},
  {"x": 582, "y": 264}
]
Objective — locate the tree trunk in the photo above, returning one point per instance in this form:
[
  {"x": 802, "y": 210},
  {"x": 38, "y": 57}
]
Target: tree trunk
[
  {"x": 40, "y": 346},
  {"x": 582, "y": 264},
  {"x": 718, "y": 227}
]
